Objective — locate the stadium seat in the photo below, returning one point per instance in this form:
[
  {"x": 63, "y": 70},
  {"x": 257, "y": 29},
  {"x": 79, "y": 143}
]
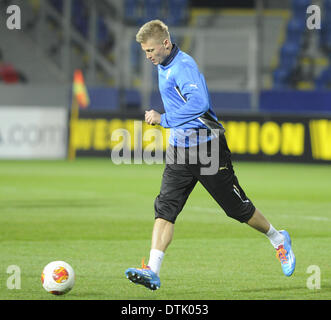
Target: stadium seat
[
  {"x": 102, "y": 32},
  {"x": 177, "y": 12},
  {"x": 280, "y": 78},
  {"x": 80, "y": 17},
  {"x": 299, "y": 7},
  {"x": 325, "y": 36},
  {"x": 8, "y": 73},
  {"x": 287, "y": 63},
  {"x": 295, "y": 30},
  {"x": 289, "y": 54},
  {"x": 152, "y": 10},
  {"x": 130, "y": 10},
  {"x": 325, "y": 31},
  {"x": 81, "y": 24},
  {"x": 323, "y": 80}
]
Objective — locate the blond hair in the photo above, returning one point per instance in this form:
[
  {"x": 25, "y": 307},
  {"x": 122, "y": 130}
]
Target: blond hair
[{"x": 154, "y": 29}]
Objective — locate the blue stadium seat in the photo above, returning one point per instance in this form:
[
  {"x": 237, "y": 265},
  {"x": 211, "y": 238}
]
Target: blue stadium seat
[
  {"x": 295, "y": 30},
  {"x": 323, "y": 80},
  {"x": 81, "y": 24},
  {"x": 78, "y": 8},
  {"x": 80, "y": 17},
  {"x": 130, "y": 10},
  {"x": 287, "y": 62},
  {"x": 152, "y": 10},
  {"x": 280, "y": 78},
  {"x": 325, "y": 34},
  {"x": 325, "y": 31},
  {"x": 299, "y": 7},
  {"x": 102, "y": 31},
  {"x": 289, "y": 54},
  {"x": 177, "y": 12}
]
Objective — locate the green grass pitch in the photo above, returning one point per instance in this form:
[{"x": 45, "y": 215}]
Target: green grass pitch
[{"x": 98, "y": 217}]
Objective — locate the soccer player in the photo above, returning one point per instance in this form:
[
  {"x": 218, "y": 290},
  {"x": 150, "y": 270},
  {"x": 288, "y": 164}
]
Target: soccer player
[{"x": 193, "y": 128}]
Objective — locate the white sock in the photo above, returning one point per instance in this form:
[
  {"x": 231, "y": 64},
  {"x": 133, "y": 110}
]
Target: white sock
[
  {"x": 275, "y": 237},
  {"x": 155, "y": 260}
]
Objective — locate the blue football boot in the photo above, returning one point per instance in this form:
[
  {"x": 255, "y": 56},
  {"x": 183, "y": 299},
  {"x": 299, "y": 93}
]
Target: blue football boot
[
  {"x": 285, "y": 255},
  {"x": 144, "y": 276}
]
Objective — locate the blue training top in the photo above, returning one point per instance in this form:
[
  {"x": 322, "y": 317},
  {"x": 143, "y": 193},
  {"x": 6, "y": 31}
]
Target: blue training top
[{"x": 186, "y": 100}]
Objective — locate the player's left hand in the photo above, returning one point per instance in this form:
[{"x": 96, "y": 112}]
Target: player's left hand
[{"x": 152, "y": 117}]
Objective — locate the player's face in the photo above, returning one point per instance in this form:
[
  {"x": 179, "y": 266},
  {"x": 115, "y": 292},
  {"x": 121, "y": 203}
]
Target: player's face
[{"x": 155, "y": 51}]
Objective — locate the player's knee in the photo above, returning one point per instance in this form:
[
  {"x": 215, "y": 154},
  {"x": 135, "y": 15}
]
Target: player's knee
[
  {"x": 165, "y": 210},
  {"x": 242, "y": 214}
]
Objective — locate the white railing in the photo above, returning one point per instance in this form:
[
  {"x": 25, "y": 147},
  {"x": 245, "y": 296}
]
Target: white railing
[{"x": 69, "y": 34}]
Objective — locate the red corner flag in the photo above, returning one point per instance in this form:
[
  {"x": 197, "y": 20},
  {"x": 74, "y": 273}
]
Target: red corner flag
[{"x": 79, "y": 89}]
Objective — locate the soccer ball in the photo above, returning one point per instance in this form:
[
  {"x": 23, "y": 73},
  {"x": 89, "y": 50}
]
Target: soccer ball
[{"x": 58, "y": 277}]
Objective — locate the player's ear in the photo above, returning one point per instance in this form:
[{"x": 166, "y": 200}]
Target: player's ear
[{"x": 166, "y": 43}]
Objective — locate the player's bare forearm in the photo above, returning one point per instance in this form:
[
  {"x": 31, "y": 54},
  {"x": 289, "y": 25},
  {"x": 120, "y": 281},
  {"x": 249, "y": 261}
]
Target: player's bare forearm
[{"x": 152, "y": 117}]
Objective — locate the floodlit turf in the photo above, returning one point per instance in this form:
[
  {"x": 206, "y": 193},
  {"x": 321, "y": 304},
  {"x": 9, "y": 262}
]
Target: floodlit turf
[{"x": 98, "y": 217}]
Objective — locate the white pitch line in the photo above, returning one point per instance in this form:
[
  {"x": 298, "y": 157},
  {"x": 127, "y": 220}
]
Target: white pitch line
[{"x": 317, "y": 218}]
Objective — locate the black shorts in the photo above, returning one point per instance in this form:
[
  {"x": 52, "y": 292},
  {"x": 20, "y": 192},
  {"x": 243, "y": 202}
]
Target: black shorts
[{"x": 180, "y": 177}]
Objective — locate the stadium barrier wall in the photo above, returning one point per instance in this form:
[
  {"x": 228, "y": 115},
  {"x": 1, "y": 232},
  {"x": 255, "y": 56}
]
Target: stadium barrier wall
[
  {"x": 263, "y": 137},
  {"x": 273, "y": 101},
  {"x": 28, "y": 132}
]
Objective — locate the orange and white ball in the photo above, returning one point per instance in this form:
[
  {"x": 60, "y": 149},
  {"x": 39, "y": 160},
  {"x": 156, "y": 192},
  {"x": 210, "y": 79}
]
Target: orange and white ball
[{"x": 58, "y": 277}]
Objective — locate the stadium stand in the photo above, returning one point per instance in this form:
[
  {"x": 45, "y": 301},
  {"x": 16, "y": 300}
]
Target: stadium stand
[
  {"x": 299, "y": 8},
  {"x": 177, "y": 12},
  {"x": 304, "y": 57},
  {"x": 296, "y": 41},
  {"x": 291, "y": 56},
  {"x": 172, "y": 12},
  {"x": 80, "y": 20},
  {"x": 323, "y": 79}
]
